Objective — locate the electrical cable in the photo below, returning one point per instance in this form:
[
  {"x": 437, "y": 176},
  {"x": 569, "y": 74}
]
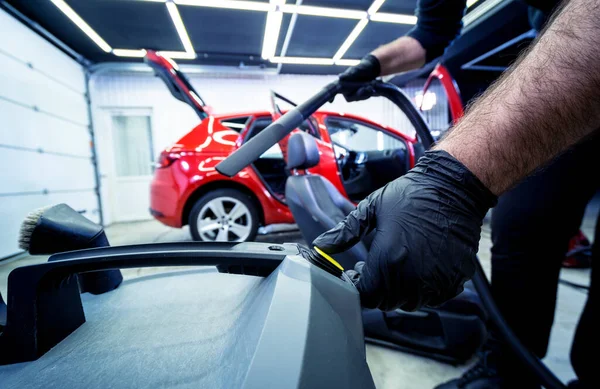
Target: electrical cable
[{"x": 546, "y": 377}]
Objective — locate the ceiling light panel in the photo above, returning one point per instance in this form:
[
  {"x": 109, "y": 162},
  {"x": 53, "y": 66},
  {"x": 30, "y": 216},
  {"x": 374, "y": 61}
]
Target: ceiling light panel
[
  {"x": 178, "y": 54},
  {"x": 83, "y": 26},
  {"x": 394, "y": 18},
  {"x": 129, "y": 53},
  {"x": 302, "y": 60},
  {"x": 375, "y": 6},
  {"x": 272, "y": 27},
  {"x": 323, "y": 11},
  {"x": 229, "y": 4},
  {"x": 180, "y": 27},
  {"x": 351, "y": 38},
  {"x": 347, "y": 62}
]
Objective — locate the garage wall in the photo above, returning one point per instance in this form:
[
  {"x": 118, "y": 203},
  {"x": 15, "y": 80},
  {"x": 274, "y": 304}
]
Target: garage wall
[{"x": 45, "y": 153}]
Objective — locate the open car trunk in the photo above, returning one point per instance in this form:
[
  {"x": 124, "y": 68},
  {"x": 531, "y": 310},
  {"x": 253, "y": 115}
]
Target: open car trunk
[{"x": 176, "y": 81}]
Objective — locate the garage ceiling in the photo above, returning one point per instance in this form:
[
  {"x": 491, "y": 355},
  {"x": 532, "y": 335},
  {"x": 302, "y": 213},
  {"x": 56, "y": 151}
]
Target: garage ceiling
[{"x": 309, "y": 36}]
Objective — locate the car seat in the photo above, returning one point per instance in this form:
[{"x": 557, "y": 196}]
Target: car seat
[
  {"x": 451, "y": 333},
  {"x": 316, "y": 204}
]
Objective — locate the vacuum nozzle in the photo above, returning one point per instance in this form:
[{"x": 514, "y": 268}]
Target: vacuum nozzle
[
  {"x": 59, "y": 228},
  {"x": 324, "y": 261}
]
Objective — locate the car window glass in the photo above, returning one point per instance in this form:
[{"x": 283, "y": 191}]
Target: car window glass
[
  {"x": 356, "y": 136},
  {"x": 236, "y": 124}
]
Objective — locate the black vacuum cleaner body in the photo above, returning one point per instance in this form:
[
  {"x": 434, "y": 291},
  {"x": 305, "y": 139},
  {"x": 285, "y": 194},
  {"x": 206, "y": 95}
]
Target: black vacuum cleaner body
[{"x": 293, "y": 326}]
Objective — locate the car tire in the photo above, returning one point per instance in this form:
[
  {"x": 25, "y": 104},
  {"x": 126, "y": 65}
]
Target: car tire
[{"x": 224, "y": 215}]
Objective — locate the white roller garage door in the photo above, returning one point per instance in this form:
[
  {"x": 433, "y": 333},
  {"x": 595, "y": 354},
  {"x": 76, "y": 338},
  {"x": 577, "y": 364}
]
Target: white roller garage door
[{"x": 45, "y": 144}]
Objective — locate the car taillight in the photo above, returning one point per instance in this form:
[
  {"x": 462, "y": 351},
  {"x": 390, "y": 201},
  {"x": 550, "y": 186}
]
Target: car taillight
[{"x": 166, "y": 159}]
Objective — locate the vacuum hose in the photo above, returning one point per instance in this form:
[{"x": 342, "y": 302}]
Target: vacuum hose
[{"x": 546, "y": 377}]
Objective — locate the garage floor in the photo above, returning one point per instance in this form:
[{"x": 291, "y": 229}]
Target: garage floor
[{"x": 390, "y": 368}]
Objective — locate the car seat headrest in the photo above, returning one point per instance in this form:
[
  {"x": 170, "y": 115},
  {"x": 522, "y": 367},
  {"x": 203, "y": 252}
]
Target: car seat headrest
[{"x": 302, "y": 152}]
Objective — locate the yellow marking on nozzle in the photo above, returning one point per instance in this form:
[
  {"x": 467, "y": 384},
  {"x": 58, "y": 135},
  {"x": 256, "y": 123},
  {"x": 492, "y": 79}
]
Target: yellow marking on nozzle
[{"x": 328, "y": 257}]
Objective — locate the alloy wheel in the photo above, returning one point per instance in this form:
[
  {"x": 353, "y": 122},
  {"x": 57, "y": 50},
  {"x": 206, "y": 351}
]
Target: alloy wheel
[{"x": 224, "y": 219}]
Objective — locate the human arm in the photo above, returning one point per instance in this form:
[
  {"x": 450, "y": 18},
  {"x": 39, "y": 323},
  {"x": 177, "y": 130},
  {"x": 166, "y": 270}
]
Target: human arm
[
  {"x": 438, "y": 23},
  {"x": 427, "y": 223},
  {"x": 547, "y": 102}
]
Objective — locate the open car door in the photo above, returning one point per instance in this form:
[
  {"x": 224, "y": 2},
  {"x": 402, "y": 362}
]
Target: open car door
[
  {"x": 176, "y": 81},
  {"x": 276, "y": 114},
  {"x": 442, "y": 77}
]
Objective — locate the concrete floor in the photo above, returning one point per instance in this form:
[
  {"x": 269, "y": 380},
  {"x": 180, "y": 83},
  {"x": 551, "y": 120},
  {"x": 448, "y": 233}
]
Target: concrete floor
[{"x": 390, "y": 368}]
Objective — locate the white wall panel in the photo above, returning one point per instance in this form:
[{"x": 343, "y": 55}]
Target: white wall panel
[
  {"x": 21, "y": 127},
  {"x": 25, "y": 45},
  {"x": 24, "y": 85},
  {"x": 45, "y": 150},
  {"x": 38, "y": 172}
]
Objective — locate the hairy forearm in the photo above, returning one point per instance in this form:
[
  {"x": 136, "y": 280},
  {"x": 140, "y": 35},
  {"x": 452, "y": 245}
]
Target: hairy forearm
[
  {"x": 401, "y": 55},
  {"x": 543, "y": 105}
]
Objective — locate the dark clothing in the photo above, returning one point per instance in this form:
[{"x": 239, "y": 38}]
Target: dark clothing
[
  {"x": 440, "y": 21},
  {"x": 531, "y": 228}
]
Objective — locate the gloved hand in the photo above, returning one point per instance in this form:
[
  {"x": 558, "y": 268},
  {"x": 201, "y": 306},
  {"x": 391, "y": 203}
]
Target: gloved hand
[
  {"x": 354, "y": 78},
  {"x": 427, "y": 223}
]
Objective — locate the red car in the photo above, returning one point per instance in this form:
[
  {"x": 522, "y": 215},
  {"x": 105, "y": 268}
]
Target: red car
[{"x": 357, "y": 156}]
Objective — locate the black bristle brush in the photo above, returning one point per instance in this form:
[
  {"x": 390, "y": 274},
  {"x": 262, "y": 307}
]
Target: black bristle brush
[{"x": 59, "y": 228}]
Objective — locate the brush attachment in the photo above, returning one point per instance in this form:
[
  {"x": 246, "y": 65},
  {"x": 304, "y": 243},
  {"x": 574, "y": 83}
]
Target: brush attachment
[
  {"x": 59, "y": 228},
  {"x": 28, "y": 226}
]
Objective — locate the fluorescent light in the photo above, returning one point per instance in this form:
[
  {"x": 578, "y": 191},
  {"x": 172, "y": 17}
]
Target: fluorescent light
[
  {"x": 129, "y": 53},
  {"x": 323, "y": 11},
  {"x": 180, "y": 27},
  {"x": 229, "y": 4},
  {"x": 302, "y": 60},
  {"x": 347, "y": 62},
  {"x": 375, "y": 6},
  {"x": 471, "y": 2},
  {"x": 394, "y": 18},
  {"x": 178, "y": 54},
  {"x": 272, "y": 27},
  {"x": 83, "y": 26},
  {"x": 351, "y": 38},
  {"x": 425, "y": 102}
]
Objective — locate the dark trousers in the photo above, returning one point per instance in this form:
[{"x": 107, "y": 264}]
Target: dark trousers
[{"x": 531, "y": 228}]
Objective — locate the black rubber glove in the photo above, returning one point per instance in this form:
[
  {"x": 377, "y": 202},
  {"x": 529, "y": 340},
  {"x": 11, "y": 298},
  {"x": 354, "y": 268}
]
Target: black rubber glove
[
  {"x": 428, "y": 225},
  {"x": 354, "y": 78}
]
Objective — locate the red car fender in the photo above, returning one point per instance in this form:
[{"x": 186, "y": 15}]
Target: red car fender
[{"x": 201, "y": 174}]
